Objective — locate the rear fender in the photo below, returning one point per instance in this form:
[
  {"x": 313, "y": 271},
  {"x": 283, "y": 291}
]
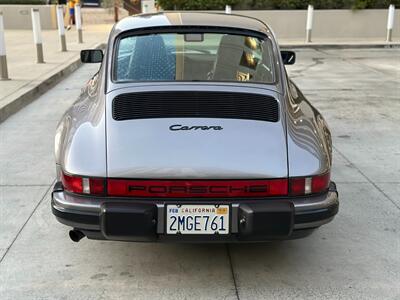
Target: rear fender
[
  {"x": 308, "y": 137},
  {"x": 80, "y": 145}
]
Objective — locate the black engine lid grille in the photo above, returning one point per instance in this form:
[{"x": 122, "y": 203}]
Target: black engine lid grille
[{"x": 195, "y": 104}]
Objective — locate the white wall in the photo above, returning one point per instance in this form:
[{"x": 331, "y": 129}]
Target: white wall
[
  {"x": 341, "y": 24},
  {"x": 329, "y": 24},
  {"x": 19, "y": 16}
]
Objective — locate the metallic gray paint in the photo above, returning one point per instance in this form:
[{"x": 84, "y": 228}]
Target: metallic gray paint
[
  {"x": 80, "y": 144},
  {"x": 148, "y": 149},
  {"x": 89, "y": 142},
  {"x": 308, "y": 138}
]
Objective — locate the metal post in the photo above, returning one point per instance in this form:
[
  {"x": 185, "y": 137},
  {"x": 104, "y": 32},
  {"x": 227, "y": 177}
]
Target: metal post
[
  {"x": 3, "y": 58},
  {"x": 116, "y": 17},
  {"x": 228, "y": 9},
  {"x": 310, "y": 12},
  {"x": 61, "y": 29},
  {"x": 78, "y": 22},
  {"x": 390, "y": 23},
  {"x": 37, "y": 35}
]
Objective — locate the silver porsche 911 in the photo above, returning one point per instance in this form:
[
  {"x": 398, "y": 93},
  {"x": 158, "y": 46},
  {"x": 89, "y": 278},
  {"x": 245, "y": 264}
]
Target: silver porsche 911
[{"x": 191, "y": 131}]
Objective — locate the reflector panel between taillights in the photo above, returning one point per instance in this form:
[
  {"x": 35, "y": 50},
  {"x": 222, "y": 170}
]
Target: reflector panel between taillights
[{"x": 197, "y": 188}]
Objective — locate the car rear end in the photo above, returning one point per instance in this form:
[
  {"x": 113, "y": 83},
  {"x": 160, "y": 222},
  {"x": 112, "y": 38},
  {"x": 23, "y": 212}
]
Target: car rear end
[
  {"x": 178, "y": 214},
  {"x": 220, "y": 176},
  {"x": 196, "y": 146}
]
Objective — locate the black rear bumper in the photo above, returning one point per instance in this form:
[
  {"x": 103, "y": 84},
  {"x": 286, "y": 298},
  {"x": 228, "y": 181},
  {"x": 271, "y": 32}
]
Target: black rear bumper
[{"x": 144, "y": 220}]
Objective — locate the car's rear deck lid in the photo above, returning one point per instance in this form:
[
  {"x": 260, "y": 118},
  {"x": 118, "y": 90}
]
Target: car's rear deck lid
[{"x": 195, "y": 131}]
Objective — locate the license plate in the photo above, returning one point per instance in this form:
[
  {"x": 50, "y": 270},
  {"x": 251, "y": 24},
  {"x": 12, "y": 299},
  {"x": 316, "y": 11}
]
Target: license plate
[{"x": 197, "y": 219}]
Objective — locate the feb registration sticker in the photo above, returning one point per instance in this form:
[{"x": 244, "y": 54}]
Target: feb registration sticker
[{"x": 197, "y": 219}]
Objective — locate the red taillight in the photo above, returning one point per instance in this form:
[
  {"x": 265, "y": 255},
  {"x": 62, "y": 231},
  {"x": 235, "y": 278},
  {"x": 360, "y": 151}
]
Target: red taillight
[
  {"x": 320, "y": 183},
  {"x": 97, "y": 186},
  {"x": 82, "y": 185},
  {"x": 197, "y": 188},
  {"x": 72, "y": 183},
  {"x": 297, "y": 186},
  {"x": 309, "y": 185}
]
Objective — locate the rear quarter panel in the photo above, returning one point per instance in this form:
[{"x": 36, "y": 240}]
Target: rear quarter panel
[
  {"x": 308, "y": 136},
  {"x": 80, "y": 136}
]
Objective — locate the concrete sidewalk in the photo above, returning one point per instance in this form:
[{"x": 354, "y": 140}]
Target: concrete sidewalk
[{"x": 29, "y": 79}]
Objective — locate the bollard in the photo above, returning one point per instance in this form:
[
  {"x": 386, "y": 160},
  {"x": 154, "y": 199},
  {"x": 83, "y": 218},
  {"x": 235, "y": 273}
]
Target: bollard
[
  {"x": 310, "y": 12},
  {"x": 390, "y": 23},
  {"x": 116, "y": 16},
  {"x": 228, "y": 9},
  {"x": 37, "y": 35},
  {"x": 78, "y": 22},
  {"x": 3, "y": 58},
  {"x": 61, "y": 29}
]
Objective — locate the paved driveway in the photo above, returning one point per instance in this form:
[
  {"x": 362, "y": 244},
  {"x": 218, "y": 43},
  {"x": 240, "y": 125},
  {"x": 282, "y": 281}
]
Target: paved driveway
[{"x": 357, "y": 256}]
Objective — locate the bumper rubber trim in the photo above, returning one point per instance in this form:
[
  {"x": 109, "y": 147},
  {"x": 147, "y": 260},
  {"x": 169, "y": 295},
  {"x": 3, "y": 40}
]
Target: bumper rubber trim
[{"x": 308, "y": 213}]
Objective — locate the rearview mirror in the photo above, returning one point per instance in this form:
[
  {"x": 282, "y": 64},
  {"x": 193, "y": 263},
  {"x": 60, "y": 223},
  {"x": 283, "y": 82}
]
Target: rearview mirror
[
  {"x": 92, "y": 56},
  {"x": 288, "y": 57}
]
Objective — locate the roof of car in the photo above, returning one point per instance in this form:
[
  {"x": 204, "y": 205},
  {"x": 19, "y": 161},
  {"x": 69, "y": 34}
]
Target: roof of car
[{"x": 176, "y": 18}]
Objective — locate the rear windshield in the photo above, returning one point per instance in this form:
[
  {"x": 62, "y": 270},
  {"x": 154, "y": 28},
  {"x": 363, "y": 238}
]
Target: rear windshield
[{"x": 194, "y": 57}]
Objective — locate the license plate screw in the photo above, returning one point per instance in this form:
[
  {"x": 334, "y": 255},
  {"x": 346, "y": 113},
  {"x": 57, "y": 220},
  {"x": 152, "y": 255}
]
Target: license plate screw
[{"x": 242, "y": 220}]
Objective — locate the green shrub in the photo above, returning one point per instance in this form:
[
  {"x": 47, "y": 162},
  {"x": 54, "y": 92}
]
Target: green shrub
[
  {"x": 275, "y": 4},
  {"x": 195, "y": 4}
]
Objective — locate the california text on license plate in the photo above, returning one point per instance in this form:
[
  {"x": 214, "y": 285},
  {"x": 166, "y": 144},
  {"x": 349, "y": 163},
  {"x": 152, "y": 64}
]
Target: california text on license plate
[{"x": 197, "y": 219}]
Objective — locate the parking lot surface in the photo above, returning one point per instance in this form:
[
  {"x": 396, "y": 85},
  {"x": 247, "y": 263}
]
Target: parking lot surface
[{"x": 357, "y": 256}]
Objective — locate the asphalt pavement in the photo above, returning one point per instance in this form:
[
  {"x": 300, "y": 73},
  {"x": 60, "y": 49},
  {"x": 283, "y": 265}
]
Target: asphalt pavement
[{"x": 357, "y": 256}]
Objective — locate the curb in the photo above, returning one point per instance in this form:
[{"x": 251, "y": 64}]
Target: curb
[
  {"x": 340, "y": 46},
  {"x": 31, "y": 95}
]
